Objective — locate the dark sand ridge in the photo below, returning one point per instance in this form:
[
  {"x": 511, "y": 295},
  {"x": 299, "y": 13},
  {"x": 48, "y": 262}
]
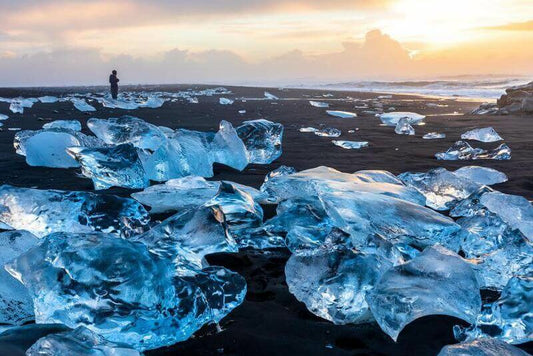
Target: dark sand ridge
[{"x": 271, "y": 320}]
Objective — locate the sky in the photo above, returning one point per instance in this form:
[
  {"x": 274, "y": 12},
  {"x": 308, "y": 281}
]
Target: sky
[{"x": 78, "y": 42}]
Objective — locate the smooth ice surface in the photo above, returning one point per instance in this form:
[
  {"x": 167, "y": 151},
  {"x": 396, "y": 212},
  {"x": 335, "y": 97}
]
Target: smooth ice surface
[
  {"x": 318, "y": 104},
  {"x": 461, "y": 150},
  {"x": 120, "y": 290},
  {"x": 442, "y": 188},
  {"x": 225, "y": 101},
  {"x": 82, "y": 105},
  {"x": 482, "y": 347},
  {"x": 16, "y": 306},
  {"x": 48, "y": 149},
  {"x": 433, "y": 136},
  {"x": 127, "y": 129},
  {"x": 42, "y": 212},
  {"x": 481, "y": 175},
  {"x": 79, "y": 342},
  {"x": 350, "y": 145},
  {"x": 487, "y": 134},
  {"x": 262, "y": 139},
  {"x": 513, "y": 209},
  {"x": 508, "y": 318},
  {"x": 81, "y": 139},
  {"x": 118, "y": 166},
  {"x": 342, "y": 114},
  {"x": 73, "y": 125},
  {"x": 334, "y": 284},
  {"x": 328, "y": 132},
  {"x": 392, "y": 118},
  {"x": 437, "y": 282},
  {"x": 227, "y": 147},
  {"x": 48, "y": 99},
  {"x": 404, "y": 128}
]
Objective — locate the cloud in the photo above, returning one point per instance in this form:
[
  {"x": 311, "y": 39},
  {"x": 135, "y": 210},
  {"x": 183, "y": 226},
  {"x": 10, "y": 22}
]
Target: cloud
[{"x": 517, "y": 26}]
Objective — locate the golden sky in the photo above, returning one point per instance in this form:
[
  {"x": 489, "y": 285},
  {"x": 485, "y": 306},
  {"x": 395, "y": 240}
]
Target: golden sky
[{"x": 291, "y": 39}]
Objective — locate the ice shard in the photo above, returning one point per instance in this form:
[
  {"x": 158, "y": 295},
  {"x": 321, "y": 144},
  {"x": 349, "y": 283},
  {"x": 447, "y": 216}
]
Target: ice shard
[
  {"x": 15, "y": 302},
  {"x": 481, "y": 175},
  {"x": 328, "y": 132},
  {"x": 120, "y": 290},
  {"x": 79, "y": 342},
  {"x": 513, "y": 209},
  {"x": 433, "y": 136},
  {"x": 318, "y": 104},
  {"x": 437, "y": 282},
  {"x": 392, "y": 118},
  {"x": 350, "y": 145},
  {"x": 404, "y": 128},
  {"x": 472, "y": 205},
  {"x": 73, "y": 125},
  {"x": 487, "y": 134},
  {"x": 334, "y": 284},
  {"x": 47, "y": 99},
  {"x": 342, "y": 114},
  {"x": 82, "y": 105},
  {"x": 118, "y": 166},
  {"x": 227, "y": 147},
  {"x": 3, "y": 117},
  {"x": 16, "y": 107},
  {"x": 442, "y": 188},
  {"x": 482, "y": 347},
  {"x": 508, "y": 318},
  {"x": 262, "y": 139},
  {"x": 270, "y": 96},
  {"x": 42, "y": 212},
  {"x": 308, "y": 129},
  {"x": 225, "y": 101},
  {"x": 127, "y": 129},
  {"x": 461, "y": 150}
]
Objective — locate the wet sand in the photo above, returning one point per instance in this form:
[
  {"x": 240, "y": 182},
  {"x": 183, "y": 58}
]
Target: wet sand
[{"x": 271, "y": 320}]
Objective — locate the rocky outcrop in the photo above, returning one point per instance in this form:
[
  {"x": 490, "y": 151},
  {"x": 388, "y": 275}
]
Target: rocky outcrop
[{"x": 518, "y": 99}]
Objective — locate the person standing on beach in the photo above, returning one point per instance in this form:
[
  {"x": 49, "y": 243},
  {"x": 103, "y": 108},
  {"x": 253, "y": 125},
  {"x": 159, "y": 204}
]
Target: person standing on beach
[{"x": 113, "y": 81}]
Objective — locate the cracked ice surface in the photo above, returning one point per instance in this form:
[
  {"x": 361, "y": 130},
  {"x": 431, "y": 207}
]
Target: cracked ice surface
[
  {"x": 120, "y": 290},
  {"x": 461, "y": 150},
  {"x": 262, "y": 139},
  {"x": 437, "y": 282},
  {"x": 42, "y": 212},
  {"x": 404, "y": 128},
  {"x": 487, "y": 134}
]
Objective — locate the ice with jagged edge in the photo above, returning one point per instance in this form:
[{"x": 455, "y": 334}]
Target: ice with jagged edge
[
  {"x": 443, "y": 189},
  {"x": 482, "y": 347},
  {"x": 116, "y": 166},
  {"x": 121, "y": 291},
  {"x": 73, "y": 125},
  {"x": 334, "y": 284},
  {"x": 152, "y": 101},
  {"x": 48, "y": 99},
  {"x": 82, "y": 105},
  {"x": 17, "y": 105},
  {"x": 43, "y": 212},
  {"x": 270, "y": 96},
  {"x": 508, "y": 318},
  {"x": 436, "y": 282},
  {"x": 461, "y": 150},
  {"x": 80, "y": 342},
  {"x": 341, "y": 114},
  {"x": 392, "y": 118},
  {"x": 185, "y": 153},
  {"x": 328, "y": 132},
  {"x": 16, "y": 304},
  {"x": 433, "y": 136},
  {"x": 481, "y": 175},
  {"x": 184, "y": 193},
  {"x": 404, "y": 128},
  {"x": 227, "y": 147},
  {"x": 350, "y": 145},
  {"x": 318, "y": 104},
  {"x": 486, "y": 134},
  {"x": 262, "y": 139},
  {"x": 127, "y": 129},
  {"x": 225, "y": 101}
]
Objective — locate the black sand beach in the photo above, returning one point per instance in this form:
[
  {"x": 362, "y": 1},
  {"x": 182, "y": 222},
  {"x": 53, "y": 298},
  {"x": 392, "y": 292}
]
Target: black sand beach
[{"x": 271, "y": 321}]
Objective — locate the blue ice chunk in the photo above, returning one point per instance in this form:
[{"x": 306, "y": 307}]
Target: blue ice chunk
[
  {"x": 482, "y": 347},
  {"x": 433, "y": 136},
  {"x": 262, "y": 139},
  {"x": 461, "y": 150},
  {"x": 513, "y": 209},
  {"x": 73, "y": 125},
  {"x": 82, "y": 105},
  {"x": 486, "y": 134},
  {"x": 118, "y": 166},
  {"x": 481, "y": 175},
  {"x": 437, "y": 282},
  {"x": 341, "y": 114},
  {"x": 328, "y": 132},
  {"x": 227, "y": 148},
  {"x": 404, "y": 128},
  {"x": 472, "y": 205},
  {"x": 392, "y": 118},
  {"x": 350, "y": 145}
]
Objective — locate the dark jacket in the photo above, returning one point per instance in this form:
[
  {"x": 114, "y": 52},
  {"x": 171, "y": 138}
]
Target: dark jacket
[{"x": 113, "y": 80}]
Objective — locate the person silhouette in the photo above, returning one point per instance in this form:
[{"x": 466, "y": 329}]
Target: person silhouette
[{"x": 113, "y": 81}]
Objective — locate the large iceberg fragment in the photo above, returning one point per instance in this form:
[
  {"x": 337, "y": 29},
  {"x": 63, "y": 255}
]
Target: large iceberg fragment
[
  {"x": 82, "y": 105},
  {"x": 442, "y": 188},
  {"x": 461, "y": 150},
  {"x": 262, "y": 139},
  {"x": 404, "y": 128},
  {"x": 341, "y": 114},
  {"x": 118, "y": 166},
  {"x": 487, "y": 134},
  {"x": 227, "y": 147},
  {"x": 127, "y": 129},
  {"x": 73, "y": 125},
  {"x": 79, "y": 342},
  {"x": 43, "y": 212},
  {"x": 15, "y": 302},
  {"x": 350, "y": 145},
  {"x": 513, "y": 209},
  {"x": 481, "y": 175},
  {"x": 482, "y": 347},
  {"x": 508, "y": 318},
  {"x": 318, "y": 104},
  {"x": 437, "y": 282},
  {"x": 392, "y": 118},
  {"x": 334, "y": 284},
  {"x": 120, "y": 290}
]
